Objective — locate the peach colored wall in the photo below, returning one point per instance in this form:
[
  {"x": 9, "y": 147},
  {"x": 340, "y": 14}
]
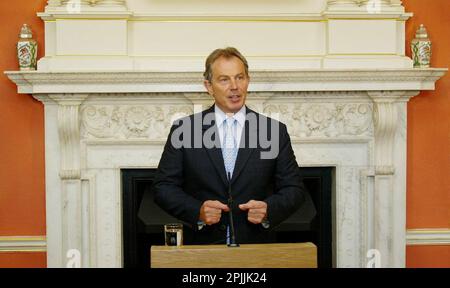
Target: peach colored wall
[
  {"x": 22, "y": 167},
  {"x": 427, "y": 256},
  {"x": 428, "y": 202},
  {"x": 22, "y": 177},
  {"x": 428, "y": 171},
  {"x": 23, "y": 260}
]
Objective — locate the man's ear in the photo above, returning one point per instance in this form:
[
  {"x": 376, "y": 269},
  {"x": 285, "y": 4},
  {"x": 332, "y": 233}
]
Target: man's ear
[{"x": 208, "y": 87}]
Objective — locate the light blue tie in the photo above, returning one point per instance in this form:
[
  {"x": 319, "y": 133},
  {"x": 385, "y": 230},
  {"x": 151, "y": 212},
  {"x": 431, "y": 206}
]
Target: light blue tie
[
  {"x": 229, "y": 152},
  {"x": 229, "y": 147}
]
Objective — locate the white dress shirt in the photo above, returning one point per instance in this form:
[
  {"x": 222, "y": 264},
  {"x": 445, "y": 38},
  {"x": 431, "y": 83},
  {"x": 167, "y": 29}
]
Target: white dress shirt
[{"x": 220, "y": 118}]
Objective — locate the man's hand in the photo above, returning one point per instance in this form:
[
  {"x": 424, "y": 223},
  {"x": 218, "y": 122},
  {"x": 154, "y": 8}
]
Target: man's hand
[
  {"x": 257, "y": 211},
  {"x": 211, "y": 211}
]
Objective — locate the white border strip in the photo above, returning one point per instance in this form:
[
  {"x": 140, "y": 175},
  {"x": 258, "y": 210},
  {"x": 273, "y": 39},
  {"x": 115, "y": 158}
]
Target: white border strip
[
  {"x": 23, "y": 244},
  {"x": 428, "y": 237}
]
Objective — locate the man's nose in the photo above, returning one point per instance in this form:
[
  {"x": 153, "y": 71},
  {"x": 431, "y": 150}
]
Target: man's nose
[{"x": 233, "y": 84}]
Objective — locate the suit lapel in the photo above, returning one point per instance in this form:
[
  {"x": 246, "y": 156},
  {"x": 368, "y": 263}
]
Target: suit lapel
[
  {"x": 215, "y": 153},
  {"x": 246, "y": 151}
]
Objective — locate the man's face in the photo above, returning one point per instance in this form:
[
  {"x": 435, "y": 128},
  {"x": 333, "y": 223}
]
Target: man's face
[{"x": 228, "y": 84}]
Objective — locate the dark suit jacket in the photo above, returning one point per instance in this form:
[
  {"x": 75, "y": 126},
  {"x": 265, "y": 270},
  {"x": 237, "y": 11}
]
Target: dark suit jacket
[{"x": 188, "y": 176}]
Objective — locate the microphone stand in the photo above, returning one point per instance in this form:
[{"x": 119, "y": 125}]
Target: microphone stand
[{"x": 230, "y": 215}]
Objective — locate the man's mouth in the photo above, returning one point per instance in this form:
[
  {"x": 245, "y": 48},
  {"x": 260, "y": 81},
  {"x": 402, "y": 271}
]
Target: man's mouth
[{"x": 234, "y": 98}]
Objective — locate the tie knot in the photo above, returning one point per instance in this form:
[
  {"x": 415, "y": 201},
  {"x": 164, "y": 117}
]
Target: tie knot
[{"x": 230, "y": 121}]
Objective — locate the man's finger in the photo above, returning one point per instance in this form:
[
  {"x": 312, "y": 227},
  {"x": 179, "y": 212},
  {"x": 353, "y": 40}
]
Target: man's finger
[
  {"x": 213, "y": 212},
  {"x": 243, "y": 207},
  {"x": 247, "y": 206},
  {"x": 258, "y": 211},
  {"x": 252, "y": 204},
  {"x": 218, "y": 205},
  {"x": 255, "y": 220},
  {"x": 257, "y": 204}
]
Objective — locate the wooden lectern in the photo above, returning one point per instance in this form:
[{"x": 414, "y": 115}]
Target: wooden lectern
[{"x": 293, "y": 255}]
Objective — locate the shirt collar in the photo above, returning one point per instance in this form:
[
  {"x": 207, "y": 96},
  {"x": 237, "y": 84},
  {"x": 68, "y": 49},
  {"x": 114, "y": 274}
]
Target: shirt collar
[{"x": 221, "y": 116}]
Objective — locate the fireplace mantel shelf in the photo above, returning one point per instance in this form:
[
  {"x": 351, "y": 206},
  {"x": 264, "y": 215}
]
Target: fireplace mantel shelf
[{"x": 40, "y": 82}]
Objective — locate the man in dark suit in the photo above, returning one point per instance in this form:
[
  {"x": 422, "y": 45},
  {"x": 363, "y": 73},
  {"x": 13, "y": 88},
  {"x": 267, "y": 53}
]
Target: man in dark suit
[{"x": 228, "y": 145}]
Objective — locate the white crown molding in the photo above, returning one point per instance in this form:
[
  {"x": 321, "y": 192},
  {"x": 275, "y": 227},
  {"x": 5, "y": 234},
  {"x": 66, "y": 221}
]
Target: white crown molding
[
  {"x": 175, "y": 16},
  {"x": 211, "y": 17},
  {"x": 52, "y": 16},
  {"x": 381, "y": 9},
  {"x": 428, "y": 237},
  {"x": 335, "y": 9},
  {"x": 73, "y": 9},
  {"x": 80, "y": 6},
  {"x": 384, "y": 15},
  {"x": 364, "y": 7},
  {"x": 37, "y": 82},
  {"x": 23, "y": 244}
]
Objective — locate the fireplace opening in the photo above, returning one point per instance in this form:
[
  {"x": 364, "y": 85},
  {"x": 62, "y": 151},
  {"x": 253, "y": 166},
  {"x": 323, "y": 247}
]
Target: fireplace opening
[{"x": 143, "y": 220}]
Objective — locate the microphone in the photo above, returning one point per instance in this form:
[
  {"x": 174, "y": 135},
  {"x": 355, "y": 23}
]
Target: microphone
[{"x": 230, "y": 215}]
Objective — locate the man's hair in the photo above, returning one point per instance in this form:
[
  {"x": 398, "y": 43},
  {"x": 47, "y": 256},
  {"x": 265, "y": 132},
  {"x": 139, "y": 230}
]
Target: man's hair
[{"x": 226, "y": 53}]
